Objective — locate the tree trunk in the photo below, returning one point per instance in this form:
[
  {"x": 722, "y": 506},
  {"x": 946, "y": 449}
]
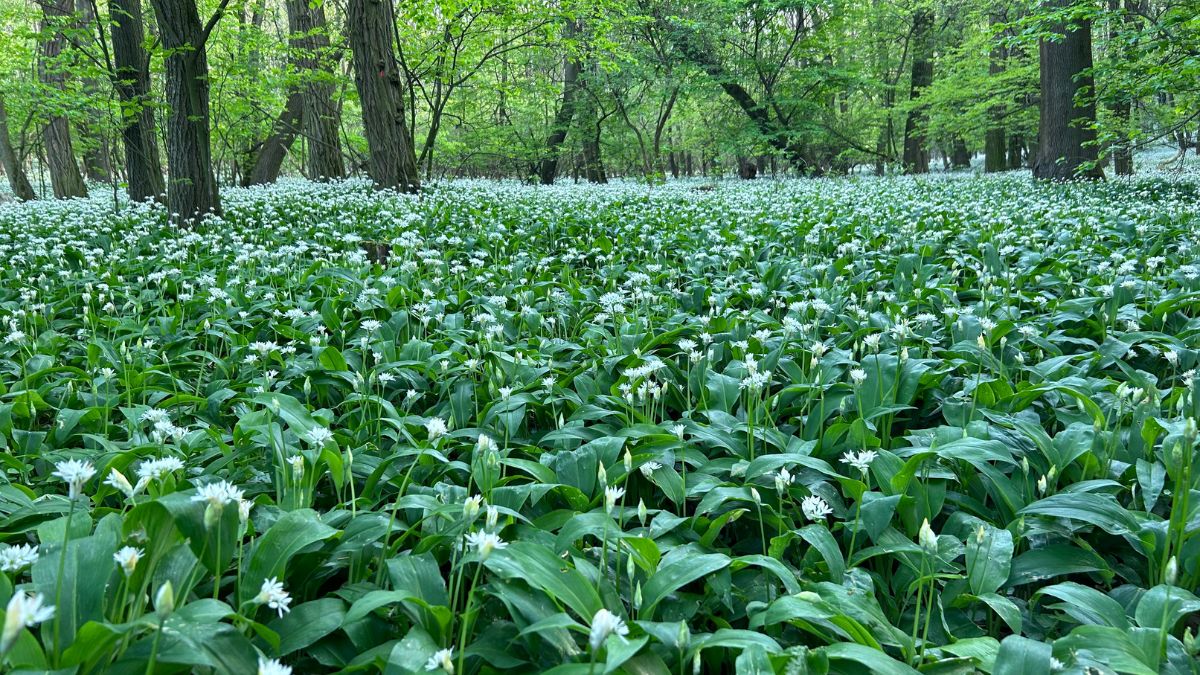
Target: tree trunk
[
  {"x": 589, "y": 131},
  {"x": 56, "y": 136},
  {"x": 1122, "y": 105},
  {"x": 1067, "y": 134},
  {"x": 994, "y": 159},
  {"x": 191, "y": 186},
  {"x": 17, "y": 179},
  {"x": 271, "y": 152},
  {"x": 132, "y": 82},
  {"x": 547, "y": 168},
  {"x": 960, "y": 156},
  {"x": 392, "y": 163},
  {"x": 316, "y": 61},
  {"x": 97, "y": 155},
  {"x": 916, "y": 154}
]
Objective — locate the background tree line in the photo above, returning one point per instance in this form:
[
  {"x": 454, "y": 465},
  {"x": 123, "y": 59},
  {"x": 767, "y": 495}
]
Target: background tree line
[{"x": 167, "y": 100}]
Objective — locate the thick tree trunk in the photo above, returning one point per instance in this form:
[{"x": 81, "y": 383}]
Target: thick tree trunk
[
  {"x": 1067, "y": 134},
  {"x": 17, "y": 179},
  {"x": 56, "y": 136},
  {"x": 132, "y": 81},
  {"x": 316, "y": 61},
  {"x": 916, "y": 154},
  {"x": 268, "y": 159},
  {"x": 1122, "y": 151},
  {"x": 547, "y": 168},
  {"x": 392, "y": 163},
  {"x": 191, "y": 186}
]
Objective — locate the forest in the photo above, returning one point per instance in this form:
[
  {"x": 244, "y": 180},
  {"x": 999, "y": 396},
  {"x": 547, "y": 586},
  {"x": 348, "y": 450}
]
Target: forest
[
  {"x": 591, "y": 337},
  {"x": 243, "y": 92}
]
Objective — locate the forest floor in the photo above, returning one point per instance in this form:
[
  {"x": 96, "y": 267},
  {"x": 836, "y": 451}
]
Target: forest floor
[{"x": 802, "y": 426}]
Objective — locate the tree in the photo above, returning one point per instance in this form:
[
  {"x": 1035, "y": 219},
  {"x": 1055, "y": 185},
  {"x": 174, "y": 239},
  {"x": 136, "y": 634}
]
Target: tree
[
  {"x": 17, "y": 180},
  {"x": 310, "y": 110},
  {"x": 391, "y": 162},
  {"x": 315, "y": 61},
  {"x": 916, "y": 154},
  {"x": 131, "y": 78},
  {"x": 191, "y": 186},
  {"x": 56, "y": 135},
  {"x": 547, "y": 167},
  {"x": 1067, "y": 132},
  {"x": 994, "y": 155}
]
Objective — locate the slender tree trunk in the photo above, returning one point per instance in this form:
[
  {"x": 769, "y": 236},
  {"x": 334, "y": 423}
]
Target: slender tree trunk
[
  {"x": 269, "y": 156},
  {"x": 916, "y": 153},
  {"x": 56, "y": 136},
  {"x": 547, "y": 168},
  {"x": 191, "y": 185},
  {"x": 392, "y": 163},
  {"x": 993, "y": 141},
  {"x": 17, "y": 179},
  {"x": 1067, "y": 134},
  {"x": 322, "y": 116},
  {"x": 1122, "y": 105},
  {"x": 132, "y": 81},
  {"x": 97, "y": 155},
  {"x": 589, "y": 127}
]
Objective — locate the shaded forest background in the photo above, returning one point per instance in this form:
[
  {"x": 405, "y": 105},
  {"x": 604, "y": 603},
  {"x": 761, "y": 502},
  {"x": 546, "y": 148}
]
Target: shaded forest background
[{"x": 175, "y": 98}]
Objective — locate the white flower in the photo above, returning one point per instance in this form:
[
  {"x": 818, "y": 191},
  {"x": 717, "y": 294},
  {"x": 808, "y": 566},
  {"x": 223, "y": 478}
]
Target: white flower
[
  {"x": 611, "y": 495},
  {"x": 272, "y": 667},
  {"x": 605, "y": 623},
  {"x": 297, "y": 462},
  {"x": 75, "y": 473},
  {"x": 442, "y": 659},
  {"x": 217, "y": 494},
  {"x": 156, "y": 469},
  {"x": 23, "y": 611},
  {"x": 371, "y": 325},
  {"x": 471, "y": 506},
  {"x": 858, "y": 375},
  {"x": 927, "y": 538},
  {"x": 436, "y": 428},
  {"x": 815, "y": 508},
  {"x": 485, "y": 542},
  {"x": 491, "y": 518},
  {"x": 16, "y": 558},
  {"x": 117, "y": 480},
  {"x": 783, "y": 479},
  {"x": 678, "y": 430},
  {"x": 272, "y": 595},
  {"x": 860, "y": 460},
  {"x": 128, "y": 558},
  {"x": 649, "y": 468},
  {"x": 318, "y": 436}
]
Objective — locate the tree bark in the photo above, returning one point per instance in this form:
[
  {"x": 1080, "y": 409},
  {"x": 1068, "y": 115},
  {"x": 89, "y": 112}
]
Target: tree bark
[
  {"x": 97, "y": 155},
  {"x": 56, "y": 136},
  {"x": 132, "y": 81},
  {"x": 589, "y": 130},
  {"x": 322, "y": 116},
  {"x": 960, "y": 156},
  {"x": 17, "y": 179},
  {"x": 191, "y": 185},
  {"x": 1067, "y": 134},
  {"x": 268, "y": 160},
  {"x": 392, "y": 163},
  {"x": 547, "y": 168},
  {"x": 916, "y": 154},
  {"x": 994, "y": 158}
]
